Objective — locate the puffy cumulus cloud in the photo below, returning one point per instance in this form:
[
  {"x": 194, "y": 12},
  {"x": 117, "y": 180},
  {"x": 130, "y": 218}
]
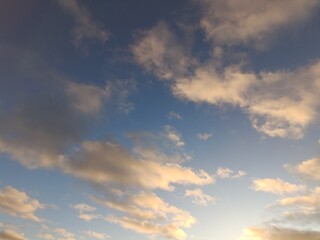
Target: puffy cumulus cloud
[
  {"x": 278, "y": 103},
  {"x": 275, "y": 186},
  {"x": 173, "y": 136},
  {"x": 199, "y": 198},
  {"x": 208, "y": 85},
  {"x": 309, "y": 169},
  {"x": 105, "y": 162},
  {"x": 19, "y": 204},
  {"x": 275, "y": 233},
  {"x": 97, "y": 235},
  {"x": 12, "y": 235},
  {"x": 149, "y": 214},
  {"x": 85, "y": 27},
  {"x": 160, "y": 51},
  {"x": 227, "y": 173},
  {"x": 86, "y": 212},
  {"x": 204, "y": 136},
  {"x": 250, "y": 21},
  {"x": 63, "y": 234},
  {"x": 44, "y": 110}
]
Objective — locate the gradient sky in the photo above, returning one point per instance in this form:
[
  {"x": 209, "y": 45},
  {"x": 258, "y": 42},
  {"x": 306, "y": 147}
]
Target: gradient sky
[{"x": 160, "y": 119}]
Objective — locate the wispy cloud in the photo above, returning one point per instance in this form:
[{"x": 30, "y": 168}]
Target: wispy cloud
[
  {"x": 275, "y": 186},
  {"x": 12, "y": 235},
  {"x": 174, "y": 115},
  {"x": 278, "y": 233},
  {"x": 308, "y": 169},
  {"x": 149, "y": 214},
  {"x": 199, "y": 198},
  {"x": 86, "y": 212},
  {"x": 19, "y": 204},
  {"x": 204, "y": 136},
  {"x": 227, "y": 173},
  {"x": 249, "y": 21},
  {"x": 85, "y": 27},
  {"x": 160, "y": 52},
  {"x": 97, "y": 235}
]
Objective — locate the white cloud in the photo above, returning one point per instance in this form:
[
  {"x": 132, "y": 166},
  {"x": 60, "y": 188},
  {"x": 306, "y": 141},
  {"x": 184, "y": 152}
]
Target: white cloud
[
  {"x": 85, "y": 27},
  {"x": 204, "y": 136},
  {"x": 275, "y": 186},
  {"x": 173, "y": 136},
  {"x": 64, "y": 234},
  {"x": 278, "y": 103},
  {"x": 309, "y": 169},
  {"x": 12, "y": 235},
  {"x": 174, "y": 115},
  {"x": 19, "y": 204},
  {"x": 97, "y": 235},
  {"x": 86, "y": 212},
  {"x": 250, "y": 21},
  {"x": 199, "y": 198},
  {"x": 227, "y": 173}
]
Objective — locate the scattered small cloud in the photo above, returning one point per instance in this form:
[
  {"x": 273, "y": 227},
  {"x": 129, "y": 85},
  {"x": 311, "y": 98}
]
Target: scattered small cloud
[
  {"x": 204, "y": 136},
  {"x": 199, "y": 198},
  {"x": 64, "y": 234},
  {"x": 174, "y": 115},
  {"x": 172, "y": 135},
  {"x": 275, "y": 186},
  {"x": 227, "y": 173},
  {"x": 86, "y": 212},
  {"x": 97, "y": 235}
]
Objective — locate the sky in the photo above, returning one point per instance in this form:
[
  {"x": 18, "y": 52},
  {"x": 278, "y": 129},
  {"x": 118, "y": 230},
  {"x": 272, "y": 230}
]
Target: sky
[{"x": 148, "y": 119}]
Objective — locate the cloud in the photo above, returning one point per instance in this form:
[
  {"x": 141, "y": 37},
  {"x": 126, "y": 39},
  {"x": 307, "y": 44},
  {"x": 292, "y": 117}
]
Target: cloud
[
  {"x": 204, "y": 136},
  {"x": 227, "y": 173},
  {"x": 278, "y": 103},
  {"x": 32, "y": 96},
  {"x": 19, "y": 204},
  {"x": 275, "y": 186},
  {"x": 174, "y": 115},
  {"x": 160, "y": 52},
  {"x": 210, "y": 86},
  {"x": 199, "y": 198},
  {"x": 173, "y": 136},
  {"x": 63, "y": 234},
  {"x": 86, "y": 212},
  {"x": 46, "y": 236},
  {"x": 159, "y": 146},
  {"x": 12, "y": 235},
  {"x": 97, "y": 235},
  {"x": 275, "y": 233},
  {"x": 85, "y": 27},
  {"x": 148, "y": 214},
  {"x": 309, "y": 169},
  {"x": 246, "y": 22},
  {"x": 106, "y": 162}
]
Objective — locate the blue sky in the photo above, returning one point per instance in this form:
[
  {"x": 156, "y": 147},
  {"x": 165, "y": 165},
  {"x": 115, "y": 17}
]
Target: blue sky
[{"x": 148, "y": 119}]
